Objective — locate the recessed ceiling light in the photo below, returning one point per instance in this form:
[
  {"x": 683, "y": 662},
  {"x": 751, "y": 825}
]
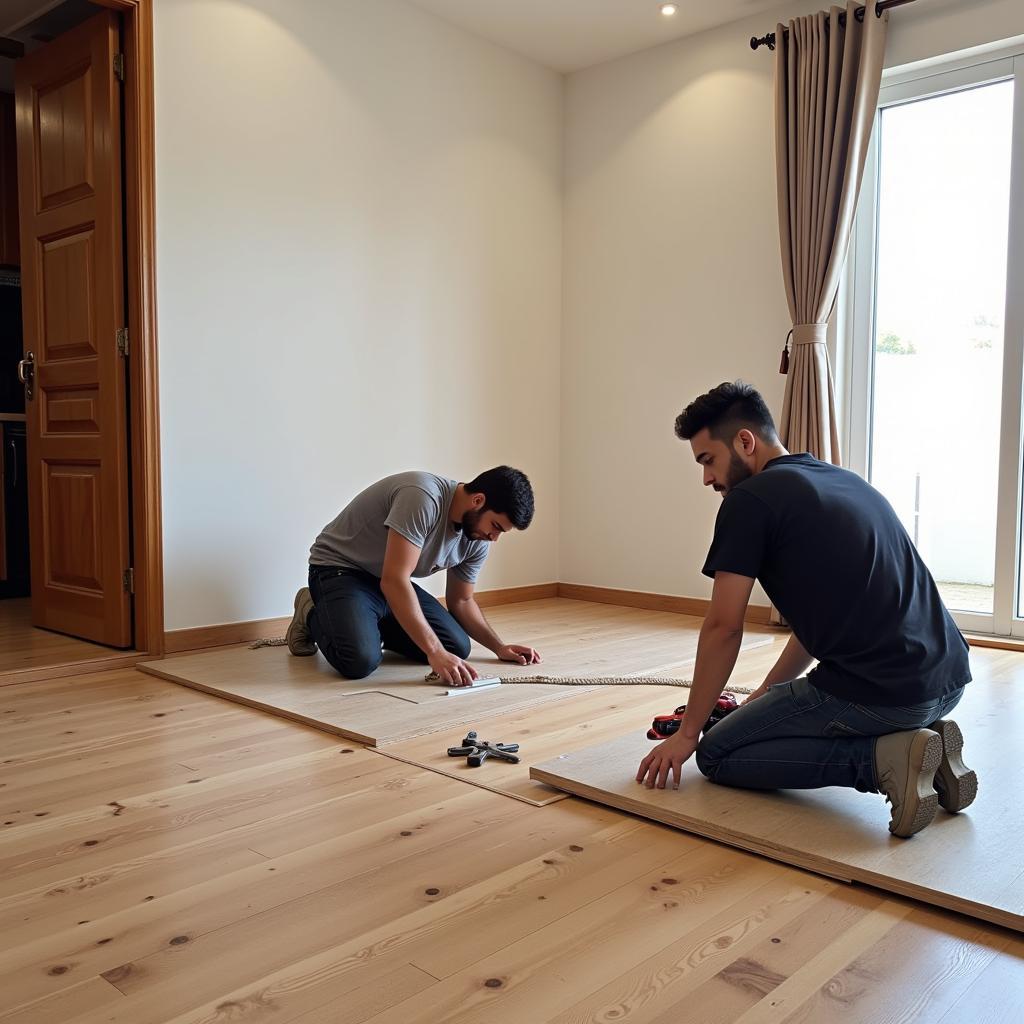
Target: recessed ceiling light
[{"x": 668, "y": 10}]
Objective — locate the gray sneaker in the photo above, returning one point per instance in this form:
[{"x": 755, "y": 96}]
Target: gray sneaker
[
  {"x": 905, "y": 766},
  {"x": 300, "y": 643},
  {"x": 956, "y": 784}
]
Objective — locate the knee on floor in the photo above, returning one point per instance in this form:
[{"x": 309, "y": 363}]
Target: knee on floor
[
  {"x": 460, "y": 646},
  {"x": 358, "y": 666}
]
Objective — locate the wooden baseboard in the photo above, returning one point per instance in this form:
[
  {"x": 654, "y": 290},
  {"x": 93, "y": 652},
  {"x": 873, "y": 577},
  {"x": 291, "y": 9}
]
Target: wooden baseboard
[
  {"x": 516, "y": 595},
  {"x": 1001, "y": 643},
  {"x": 179, "y": 640},
  {"x": 198, "y": 637},
  {"x": 697, "y": 606}
]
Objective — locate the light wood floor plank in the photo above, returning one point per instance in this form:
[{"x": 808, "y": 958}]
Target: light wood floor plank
[
  {"x": 93, "y": 995},
  {"x": 297, "y": 876},
  {"x": 752, "y": 972},
  {"x": 22, "y": 646},
  {"x": 996, "y": 995},
  {"x": 238, "y": 952},
  {"x": 583, "y": 949}
]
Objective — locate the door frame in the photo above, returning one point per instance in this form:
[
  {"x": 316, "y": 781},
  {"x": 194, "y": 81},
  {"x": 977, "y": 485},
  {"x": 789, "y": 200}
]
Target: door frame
[{"x": 140, "y": 283}]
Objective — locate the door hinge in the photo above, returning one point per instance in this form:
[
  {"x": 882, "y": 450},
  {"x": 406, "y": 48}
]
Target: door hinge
[
  {"x": 119, "y": 66},
  {"x": 128, "y": 579},
  {"x": 122, "y": 341}
]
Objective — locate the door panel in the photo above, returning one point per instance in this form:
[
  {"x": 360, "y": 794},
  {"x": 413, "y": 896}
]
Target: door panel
[{"x": 69, "y": 169}]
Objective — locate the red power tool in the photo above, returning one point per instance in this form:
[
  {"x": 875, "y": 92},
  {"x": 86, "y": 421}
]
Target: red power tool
[{"x": 664, "y": 726}]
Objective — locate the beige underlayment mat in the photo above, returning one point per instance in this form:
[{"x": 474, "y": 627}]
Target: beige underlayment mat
[
  {"x": 599, "y": 714},
  {"x": 969, "y": 862},
  {"x": 396, "y": 705}
]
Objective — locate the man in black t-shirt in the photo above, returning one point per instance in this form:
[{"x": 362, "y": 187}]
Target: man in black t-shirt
[{"x": 835, "y": 560}]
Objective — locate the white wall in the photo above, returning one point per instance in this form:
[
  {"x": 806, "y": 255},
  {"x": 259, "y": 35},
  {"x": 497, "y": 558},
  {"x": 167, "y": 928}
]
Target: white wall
[
  {"x": 359, "y": 272},
  {"x": 672, "y": 277}
]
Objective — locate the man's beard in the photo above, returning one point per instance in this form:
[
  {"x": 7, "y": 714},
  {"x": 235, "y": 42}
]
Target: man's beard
[
  {"x": 469, "y": 524},
  {"x": 738, "y": 472}
]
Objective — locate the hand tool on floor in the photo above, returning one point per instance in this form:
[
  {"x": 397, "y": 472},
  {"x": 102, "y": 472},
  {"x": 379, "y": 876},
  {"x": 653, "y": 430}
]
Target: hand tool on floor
[
  {"x": 476, "y": 750},
  {"x": 664, "y": 726}
]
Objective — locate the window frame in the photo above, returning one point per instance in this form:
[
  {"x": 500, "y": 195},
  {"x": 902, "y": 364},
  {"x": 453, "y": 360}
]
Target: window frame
[{"x": 856, "y": 326}]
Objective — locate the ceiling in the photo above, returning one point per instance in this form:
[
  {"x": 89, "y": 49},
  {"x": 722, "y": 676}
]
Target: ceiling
[
  {"x": 15, "y": 13},
  {"x": 571, "y": 34},
  {"x": 562, "y": 34},
  {"x": 33, "y": 22}
]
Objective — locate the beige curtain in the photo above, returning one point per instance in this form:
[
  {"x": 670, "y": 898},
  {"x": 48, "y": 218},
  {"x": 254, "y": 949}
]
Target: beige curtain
[{"x": 827, "y": 77}]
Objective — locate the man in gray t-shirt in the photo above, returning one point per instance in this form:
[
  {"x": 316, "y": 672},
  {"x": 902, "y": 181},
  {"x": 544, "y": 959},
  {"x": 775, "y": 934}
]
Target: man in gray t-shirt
[{"x": 361, "y": 598}]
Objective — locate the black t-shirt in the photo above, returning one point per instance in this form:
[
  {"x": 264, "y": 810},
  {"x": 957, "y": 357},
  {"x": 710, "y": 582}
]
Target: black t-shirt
[{"x": 836, "y": 561}]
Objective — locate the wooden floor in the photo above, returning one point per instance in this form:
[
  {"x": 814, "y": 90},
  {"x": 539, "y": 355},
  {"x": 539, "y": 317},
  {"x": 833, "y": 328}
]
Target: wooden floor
[
  {"x": 27, "y": 652},
  {"x": 395, "y": 705},
  {"x": 168, "y": 857}
]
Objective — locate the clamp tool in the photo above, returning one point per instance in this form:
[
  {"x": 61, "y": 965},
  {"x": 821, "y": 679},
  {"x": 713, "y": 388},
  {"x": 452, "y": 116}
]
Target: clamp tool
[{"x": 476, "y": 750}]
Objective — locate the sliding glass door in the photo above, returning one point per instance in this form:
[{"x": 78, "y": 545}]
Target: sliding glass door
[{"x": 937, "y": 329}]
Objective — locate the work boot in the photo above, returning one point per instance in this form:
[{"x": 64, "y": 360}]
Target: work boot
[
  {"x": 956, "y": 784},
  {"x": 300, "y": 643},
  {"x": 905, "y": 765}
]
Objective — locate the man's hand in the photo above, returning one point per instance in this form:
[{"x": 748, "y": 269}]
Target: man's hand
[
  {"x": 519, "y": 654},
  {"x": 451, "y": 669},
  {"x": 667, "y": 757},
  {"x": 759, "y": 692}
]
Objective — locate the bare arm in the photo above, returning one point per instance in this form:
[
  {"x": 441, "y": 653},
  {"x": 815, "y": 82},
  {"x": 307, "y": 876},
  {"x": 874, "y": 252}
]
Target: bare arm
[
  {"x": 400, "y": 558},
  {"x": 461, "y": 601},
  {"x": 793, "y": 662},
  {"x": 717, "y": 649}
]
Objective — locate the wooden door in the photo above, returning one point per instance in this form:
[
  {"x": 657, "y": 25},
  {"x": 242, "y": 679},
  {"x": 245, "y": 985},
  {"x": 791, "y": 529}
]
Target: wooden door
[
  {"x": 9, "y": 245},
  {"x": 69, "y": 183}
]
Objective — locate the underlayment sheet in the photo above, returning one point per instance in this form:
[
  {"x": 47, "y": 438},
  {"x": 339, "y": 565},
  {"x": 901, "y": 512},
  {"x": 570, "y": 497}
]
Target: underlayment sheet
[
  {"x": 602, "y": 713},
  {"x": 970, "y": 862},
  {"x": 395, "y": 704}
]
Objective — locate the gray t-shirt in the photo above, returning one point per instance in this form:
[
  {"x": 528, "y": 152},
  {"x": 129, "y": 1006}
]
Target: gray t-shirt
[{"x": 417, "y": 506}]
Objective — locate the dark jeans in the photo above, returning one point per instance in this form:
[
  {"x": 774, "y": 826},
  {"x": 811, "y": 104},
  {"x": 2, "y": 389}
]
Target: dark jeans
[
  {"x": 799, "y": 737},
  {"x": 351, "y": 622}
]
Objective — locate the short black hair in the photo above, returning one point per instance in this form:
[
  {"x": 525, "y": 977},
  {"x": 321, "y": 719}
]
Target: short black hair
[
  {"x": 725, "y": 411},
  {"x": 506, "y": 491}
]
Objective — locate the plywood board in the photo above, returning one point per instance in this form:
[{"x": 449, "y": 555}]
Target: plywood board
[
  {"x": 968, "y": 862},
  {"x": 544, "y": 732},
  {"x": 395, "y": 703}
]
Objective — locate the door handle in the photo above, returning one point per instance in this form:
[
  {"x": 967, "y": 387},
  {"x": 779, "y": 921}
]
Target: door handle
[{"x": 27, "y": 375}]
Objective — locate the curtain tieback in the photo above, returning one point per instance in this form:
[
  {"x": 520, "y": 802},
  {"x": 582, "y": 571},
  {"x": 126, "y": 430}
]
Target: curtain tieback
[{"x": 803, "y": 334}]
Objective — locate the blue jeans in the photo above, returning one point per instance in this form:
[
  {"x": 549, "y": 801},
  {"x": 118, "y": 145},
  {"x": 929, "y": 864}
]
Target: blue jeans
[
  {"x": 351, "y": 622},
  {"x": 796, "y": 736}
]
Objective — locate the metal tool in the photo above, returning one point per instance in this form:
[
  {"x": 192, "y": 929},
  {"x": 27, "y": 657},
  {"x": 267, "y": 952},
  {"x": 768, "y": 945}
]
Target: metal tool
[{"x": 476, "y": 750}]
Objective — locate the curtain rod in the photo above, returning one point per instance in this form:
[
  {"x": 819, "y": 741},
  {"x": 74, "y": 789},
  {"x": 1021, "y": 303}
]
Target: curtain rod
[{"x": 880, "y": 8}]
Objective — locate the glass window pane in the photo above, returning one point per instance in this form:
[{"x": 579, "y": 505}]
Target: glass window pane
[{"x": 943, "y": 208}]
